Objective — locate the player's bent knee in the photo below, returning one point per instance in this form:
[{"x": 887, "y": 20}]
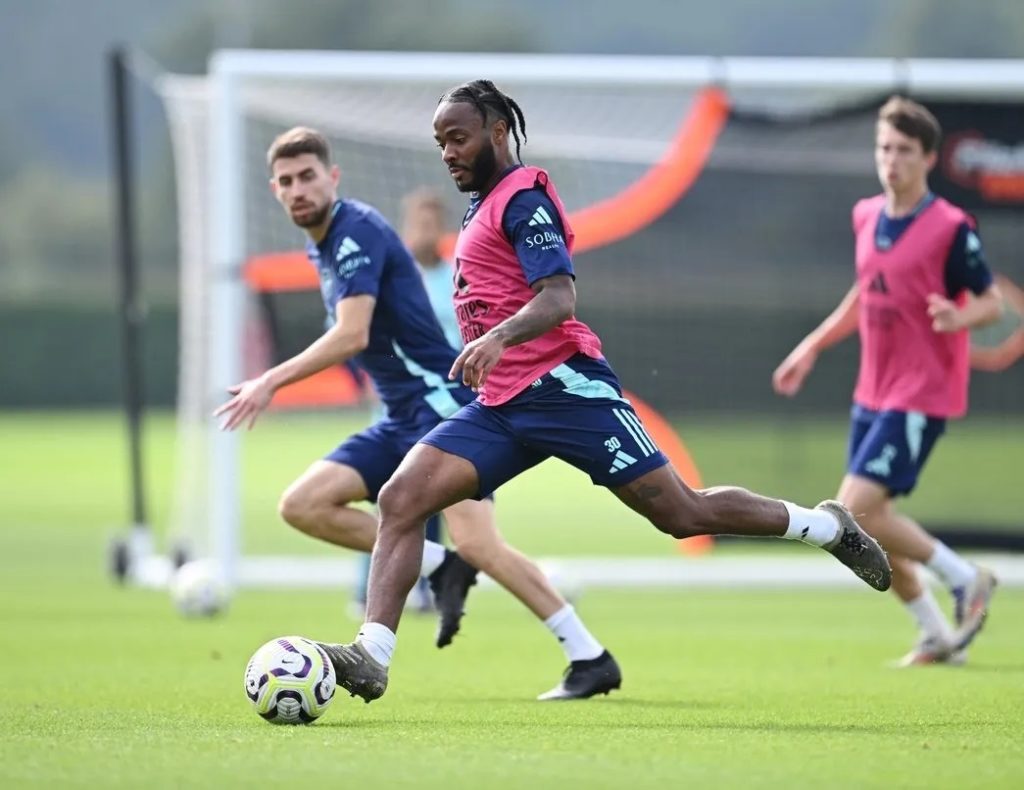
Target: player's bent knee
[
  {"x": 479, "y": 550},
  {"x": 400, "y": 504},
  {"x": 296, "y": 509}
]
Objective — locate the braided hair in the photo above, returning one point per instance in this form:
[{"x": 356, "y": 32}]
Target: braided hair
[{"x": 491, "y": 102}]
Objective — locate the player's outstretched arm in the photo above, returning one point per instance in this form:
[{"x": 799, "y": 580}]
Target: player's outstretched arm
[
  {"x": 349, "y": 335},
  {"x": 554, "y": 302},
  {"x": 789, "y": 377}
]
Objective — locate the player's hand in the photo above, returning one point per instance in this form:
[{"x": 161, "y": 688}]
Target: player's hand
[
  {"x": 477, "y": 360},
  {"x": 945, "y": 314},
  {"x": 250, "y": 398},
  {"x": 789, "y": 377}
]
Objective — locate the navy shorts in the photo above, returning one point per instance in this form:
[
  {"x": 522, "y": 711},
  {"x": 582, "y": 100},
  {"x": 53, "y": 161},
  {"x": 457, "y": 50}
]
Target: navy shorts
[
  {"x": 891, "y": 447},
  {"x": 575, "y": 413},
  {"x": 376, "y": 452}
]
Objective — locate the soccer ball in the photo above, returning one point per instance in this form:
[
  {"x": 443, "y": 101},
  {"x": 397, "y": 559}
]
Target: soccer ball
[
  {"x": 290, "y": 680},
  {"x": 198, "y": 590}
]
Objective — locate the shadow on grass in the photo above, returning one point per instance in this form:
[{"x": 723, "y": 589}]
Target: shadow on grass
[
  {"x": 1006, "y": 669},
  {"x": 451, "y": 721}
]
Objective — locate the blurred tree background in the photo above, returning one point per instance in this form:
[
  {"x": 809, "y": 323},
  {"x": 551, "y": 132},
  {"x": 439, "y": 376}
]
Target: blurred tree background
[{"x": 55, "y": 202}]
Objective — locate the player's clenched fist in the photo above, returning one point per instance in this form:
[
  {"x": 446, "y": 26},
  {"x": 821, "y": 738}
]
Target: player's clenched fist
[
  {"x": 944, "y": 313},
  {"x": 789, "y": 377}
]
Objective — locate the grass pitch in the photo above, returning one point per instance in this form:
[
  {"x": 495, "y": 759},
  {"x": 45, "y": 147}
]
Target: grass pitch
[{"x": 108, "y": 687}]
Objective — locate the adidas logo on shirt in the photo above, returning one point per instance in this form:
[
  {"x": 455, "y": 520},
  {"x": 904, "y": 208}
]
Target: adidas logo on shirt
[
  {"x": 347, "y": 247},
  {"x": 349, "y": 259},
  {"x": 541, "y": 217},
  {"x": 547, "y": 238},
  {"x": 878, "y": 284}
]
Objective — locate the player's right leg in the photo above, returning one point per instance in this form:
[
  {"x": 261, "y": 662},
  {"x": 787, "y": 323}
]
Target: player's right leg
[
  {"x": 592, "y": 669},
  {"x": 318, "y": 504},
  {"x": 426, "y": 482},
  {"x": 467, "y": 456}
]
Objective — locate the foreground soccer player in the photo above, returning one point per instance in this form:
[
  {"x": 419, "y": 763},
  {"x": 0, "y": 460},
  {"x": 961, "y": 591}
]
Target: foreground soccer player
[
  {"x": 544, "y": 390},
  {"x": 383, "y": 320},
  {"x": 917, "y": 257}
]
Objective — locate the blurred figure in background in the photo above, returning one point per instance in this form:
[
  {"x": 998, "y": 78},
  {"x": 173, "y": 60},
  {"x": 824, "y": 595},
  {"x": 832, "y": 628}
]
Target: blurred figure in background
[
  {"x": 917, "y": 258},
  {"x": 422, "y": 228},
  {"x": 372, "y": 287}
]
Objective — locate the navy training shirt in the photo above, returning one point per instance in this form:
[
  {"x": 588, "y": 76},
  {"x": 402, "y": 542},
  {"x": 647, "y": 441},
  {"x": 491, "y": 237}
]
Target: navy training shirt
[{"x": 407, "y": 357}]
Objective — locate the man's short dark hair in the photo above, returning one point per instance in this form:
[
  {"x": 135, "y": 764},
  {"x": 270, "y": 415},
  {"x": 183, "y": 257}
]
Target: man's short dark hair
[
  {"x": 912, "y": 119},
  {"x": 297, "y": 141}
]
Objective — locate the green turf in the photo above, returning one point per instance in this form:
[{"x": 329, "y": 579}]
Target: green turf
[
  {"x": 69, "y": 471},
  {"x": 109, "y": 688},
  {"x": 104, "y": 687}
]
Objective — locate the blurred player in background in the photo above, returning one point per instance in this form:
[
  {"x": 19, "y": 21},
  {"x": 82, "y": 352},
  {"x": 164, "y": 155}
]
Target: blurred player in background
[
  {"x": 422, "y": 228},
  {"x": 545, "y": 390},
  {"x": 383, "y": 320},
  {"x": 917, "y": 258}
]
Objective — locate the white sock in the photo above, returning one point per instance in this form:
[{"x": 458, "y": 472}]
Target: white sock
[
  {"x": 433, "y": 556},
  {"x": 949, "y": 566},
  {"x": 379, "y": 641},
  {"x": 817, "y": 527},
  {"x": 577, "y": 642},
  {"x": 928, "y": 616}
]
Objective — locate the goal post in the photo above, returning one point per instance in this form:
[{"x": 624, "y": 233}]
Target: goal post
[{"x": 601, "y": 122}]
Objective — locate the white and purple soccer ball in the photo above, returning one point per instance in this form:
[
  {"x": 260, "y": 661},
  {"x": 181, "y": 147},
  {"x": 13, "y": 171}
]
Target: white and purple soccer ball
[{"x": 290, "y": 680}]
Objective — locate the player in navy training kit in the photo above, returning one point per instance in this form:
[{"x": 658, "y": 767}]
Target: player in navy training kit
[
  {"x": 544, "y": 389},
  {"x": 383, "y": 320}
]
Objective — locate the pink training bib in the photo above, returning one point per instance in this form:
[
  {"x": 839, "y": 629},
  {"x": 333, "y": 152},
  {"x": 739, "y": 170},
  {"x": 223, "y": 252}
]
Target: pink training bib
[
  {"x": 905, "y": 365},
  {"x": 491, "y": 287}
]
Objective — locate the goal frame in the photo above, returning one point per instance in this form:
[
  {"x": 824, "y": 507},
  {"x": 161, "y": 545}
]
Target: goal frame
[{"x": 229, "y": 70}]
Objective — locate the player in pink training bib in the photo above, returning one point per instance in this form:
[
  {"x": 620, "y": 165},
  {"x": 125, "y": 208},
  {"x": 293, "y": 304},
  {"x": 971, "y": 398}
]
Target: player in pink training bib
[
  {"x": 544, "y": 390},
  {"x": 918, "y": 258}
]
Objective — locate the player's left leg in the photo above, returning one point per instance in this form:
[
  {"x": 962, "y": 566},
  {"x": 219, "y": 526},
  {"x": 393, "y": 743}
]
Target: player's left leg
[
  {"x": 885, "y": 461},
  {"x": 935, "y": 636},
  {"x": 592, "y": 669},
  {"x": 577, "y": 413},
  {"x": 673, "y": 507},
  {"x": 907, "y": 544}
]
